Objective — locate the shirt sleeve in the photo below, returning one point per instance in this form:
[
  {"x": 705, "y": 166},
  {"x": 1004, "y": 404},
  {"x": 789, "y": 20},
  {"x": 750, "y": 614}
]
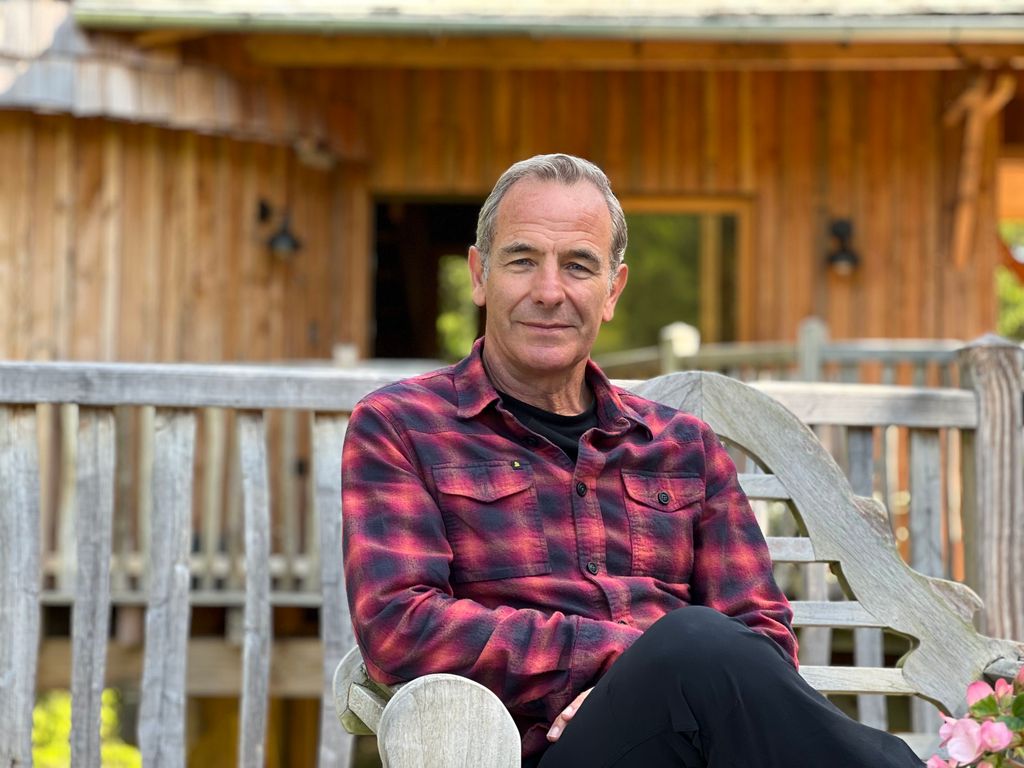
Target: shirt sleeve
[
  {"x": 407, "y": 621},
  {"x": 732, "y": 568}
]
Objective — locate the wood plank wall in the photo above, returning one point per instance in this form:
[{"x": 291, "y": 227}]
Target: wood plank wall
[
  {"x": 805, "y": 147},
  {"x": 128, "y": 242}
]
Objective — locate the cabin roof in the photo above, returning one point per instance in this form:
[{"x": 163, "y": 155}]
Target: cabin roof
[{"x": 784, "y": 19}]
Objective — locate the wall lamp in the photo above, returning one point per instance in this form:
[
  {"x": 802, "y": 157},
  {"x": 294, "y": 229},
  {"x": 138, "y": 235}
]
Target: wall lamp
[
  {"x": 841, "y": 257},
  {"x": 282, "y": 243}
]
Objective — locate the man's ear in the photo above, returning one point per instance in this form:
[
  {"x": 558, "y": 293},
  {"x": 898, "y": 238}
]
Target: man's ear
[
  {"x": 618, "y": 284},
  {"x": 476, "y": 274}
]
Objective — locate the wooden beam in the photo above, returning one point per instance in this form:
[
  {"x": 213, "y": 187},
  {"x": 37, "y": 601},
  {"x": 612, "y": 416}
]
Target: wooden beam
[
  {"x": 522, "y": 52},
  {"x": 975, "y": 106}
]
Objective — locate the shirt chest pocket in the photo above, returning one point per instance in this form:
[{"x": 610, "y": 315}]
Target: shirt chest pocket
[
  {"x": 662, "y": 510},
  {"x": 490, "y": 512}
]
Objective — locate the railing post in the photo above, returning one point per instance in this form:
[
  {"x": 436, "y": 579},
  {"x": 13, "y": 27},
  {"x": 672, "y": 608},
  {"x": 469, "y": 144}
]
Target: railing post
[
  {"x": 677, "y": 340},
  {"x": 994, "y": 522},
  {"x": 811, "y": 339}
]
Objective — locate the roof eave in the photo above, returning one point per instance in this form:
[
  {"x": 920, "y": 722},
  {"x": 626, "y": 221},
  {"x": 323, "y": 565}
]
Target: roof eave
[{"x": 987, "y": 28}]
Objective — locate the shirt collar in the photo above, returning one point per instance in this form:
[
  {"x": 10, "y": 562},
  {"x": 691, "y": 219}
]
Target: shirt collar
[{"x": 476, "y": 392}]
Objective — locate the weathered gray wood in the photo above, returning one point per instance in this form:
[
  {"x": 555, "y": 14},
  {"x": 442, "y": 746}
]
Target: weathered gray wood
[
  {"x": 67, "y": 506},
  {"x": 336, "y": 746},
  {"x": 785, "y": 549},
  {"x": 857, "y": 680},
  {"x": 424, "y": 726},
  {"x": 252, "y": 731},
  {"x": 852, "y": 531},
  {"x": 162, "y": 708},
  {"x": 815, "y": 640},
  {"x": 838, "y": 613},
  {"x": 868, "y": 644},
  {"x": 926, "y": 503},
  {"x": 812, "y": 336},
  {"x": 91, "y": 614},
  {"x": 19, "y": 581},
  {"x": 351, "y": 672},
  {"x": 867, "y": 405},
  {"x": 188, "y": 386},
  {"x": 994, "y": 535},
  {"x": 763, "y": 487}
]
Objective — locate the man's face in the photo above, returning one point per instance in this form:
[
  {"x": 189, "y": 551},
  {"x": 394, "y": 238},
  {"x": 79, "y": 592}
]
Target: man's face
[{"x": 547, "y": 289}]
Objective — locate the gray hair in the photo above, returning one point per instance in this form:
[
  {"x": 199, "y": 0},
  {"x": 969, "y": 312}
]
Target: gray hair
[{"x": 565, "y": 169}]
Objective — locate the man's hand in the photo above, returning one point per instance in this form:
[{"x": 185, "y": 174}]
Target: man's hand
[{"x": 566, "y": 715}]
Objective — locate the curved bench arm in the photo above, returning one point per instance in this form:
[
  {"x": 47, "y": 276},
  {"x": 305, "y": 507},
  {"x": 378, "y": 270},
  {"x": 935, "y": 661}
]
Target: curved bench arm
[{"x": 436, "y": 721}]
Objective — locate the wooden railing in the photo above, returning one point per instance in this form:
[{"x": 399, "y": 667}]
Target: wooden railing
[
  {"x": 138, "y": 520},
  {"x": 813, "y": 356}
]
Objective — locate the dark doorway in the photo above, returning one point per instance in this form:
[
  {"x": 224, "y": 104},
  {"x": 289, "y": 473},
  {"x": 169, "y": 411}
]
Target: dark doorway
[{"x": 412, "y": 237}]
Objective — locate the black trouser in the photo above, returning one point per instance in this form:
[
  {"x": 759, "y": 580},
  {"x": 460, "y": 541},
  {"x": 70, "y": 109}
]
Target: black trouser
[{"x": 701, "y": 690}]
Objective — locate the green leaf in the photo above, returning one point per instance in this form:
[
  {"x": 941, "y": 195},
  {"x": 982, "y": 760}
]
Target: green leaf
[
  {"x": 986, "y": 707},
  {"x": 1013, "y": 723},
  {"x": 1018, "y": 705}
]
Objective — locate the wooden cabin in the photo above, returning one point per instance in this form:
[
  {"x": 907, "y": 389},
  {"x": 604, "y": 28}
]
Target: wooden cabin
[
  {"x": 241, "y": 181},
  {"x": 152, "y": 148}
]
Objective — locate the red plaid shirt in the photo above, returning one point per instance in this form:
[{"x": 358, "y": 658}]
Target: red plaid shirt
[{"x": 476, "y": 547}]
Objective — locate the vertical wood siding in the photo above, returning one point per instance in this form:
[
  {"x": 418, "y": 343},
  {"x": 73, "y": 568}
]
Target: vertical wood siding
[
  {"x": 126, "y": 242},
  {"x": 805, "y": 147}
]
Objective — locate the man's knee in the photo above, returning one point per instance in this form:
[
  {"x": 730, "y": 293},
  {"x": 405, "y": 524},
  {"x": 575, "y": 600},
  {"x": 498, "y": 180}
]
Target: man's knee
[{"x": 697, "y": 637}]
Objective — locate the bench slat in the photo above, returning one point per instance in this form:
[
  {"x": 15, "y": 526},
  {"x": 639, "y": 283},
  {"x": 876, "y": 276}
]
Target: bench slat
[
  {"x": 814, "y": 613},
  {"x": 252, "y": 730},
  {"x": 19, "y": 580},
  {"x": 336, "y": 746},
  {"x": 791, "y": 549},
  {"x": 856, "y": 680},
  {"x": 767, "y": 487},
  {"x": 162, "y": 709},
  {"x": 91, "y": 614}
]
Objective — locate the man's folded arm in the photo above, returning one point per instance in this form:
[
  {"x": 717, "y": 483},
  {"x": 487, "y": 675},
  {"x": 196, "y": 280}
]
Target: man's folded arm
[
  {"x": 407, "y": 621},
  {"x": 732, "y": 569}
]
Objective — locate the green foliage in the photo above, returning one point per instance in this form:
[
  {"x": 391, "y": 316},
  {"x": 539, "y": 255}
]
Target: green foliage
[
  {"x": 51, "y": 733},
  {"x": 457, "y": 314},
  {"x": 1009, "y": 291},
  {"x": 664, "y": 280}
]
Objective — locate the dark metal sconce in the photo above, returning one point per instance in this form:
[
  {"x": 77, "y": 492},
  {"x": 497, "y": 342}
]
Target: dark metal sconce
[
  {"x": 282, "y": 243},
  {"x": 841, "y": 259}
]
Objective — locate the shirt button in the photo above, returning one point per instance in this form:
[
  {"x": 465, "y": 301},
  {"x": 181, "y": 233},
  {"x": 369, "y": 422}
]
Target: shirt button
[
  {"x": 581, "y": 489},
  {"x": 592, "y": 567},
  {"x": 663, "y": 497}
]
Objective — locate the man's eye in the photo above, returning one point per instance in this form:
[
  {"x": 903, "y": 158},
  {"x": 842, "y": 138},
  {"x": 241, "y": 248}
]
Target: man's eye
[{"x": 575, "y": 266}]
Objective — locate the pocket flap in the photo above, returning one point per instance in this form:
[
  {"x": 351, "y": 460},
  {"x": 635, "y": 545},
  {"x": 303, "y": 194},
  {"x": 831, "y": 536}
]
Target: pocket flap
[
  {"x": 484, "y": 482},
  {"x": 663, "y": 491}
]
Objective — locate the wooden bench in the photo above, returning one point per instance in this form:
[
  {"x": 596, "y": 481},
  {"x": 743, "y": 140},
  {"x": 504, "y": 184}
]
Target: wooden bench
[
  {"x": 442, "y": 720},
  {"x": 62, "y": 544}
]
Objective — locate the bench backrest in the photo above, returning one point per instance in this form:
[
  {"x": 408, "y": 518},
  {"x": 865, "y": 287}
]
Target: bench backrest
[{"x": 853, "y": 535}]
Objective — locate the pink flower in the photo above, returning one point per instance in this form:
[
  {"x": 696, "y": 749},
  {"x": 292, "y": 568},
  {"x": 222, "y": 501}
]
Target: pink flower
[
  {"x": 1004, "y": 691},
  {"x": 964, "y": 743},
  {"x": 938, "y": 762},
  {"x": 995, "y": 736},
  {"x": 977, "y": 691},
  {"x": 946, "y": 729}
]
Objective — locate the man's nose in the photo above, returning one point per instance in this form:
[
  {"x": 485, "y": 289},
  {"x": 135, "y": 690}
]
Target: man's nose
[{"x": 547, "y": 285}]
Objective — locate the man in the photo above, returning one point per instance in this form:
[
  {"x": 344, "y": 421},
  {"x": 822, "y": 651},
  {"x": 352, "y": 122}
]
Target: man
[{"x": 586, "y": 554}]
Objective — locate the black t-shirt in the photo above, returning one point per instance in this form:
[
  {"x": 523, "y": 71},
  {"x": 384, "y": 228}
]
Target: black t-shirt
[{"x": 564, "y": 431}]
